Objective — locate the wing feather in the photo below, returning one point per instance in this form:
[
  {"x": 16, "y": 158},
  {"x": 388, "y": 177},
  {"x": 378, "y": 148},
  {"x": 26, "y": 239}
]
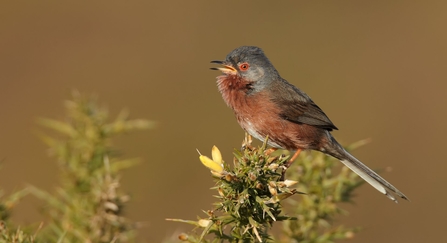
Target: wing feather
[{"x": 296, "y": 106}]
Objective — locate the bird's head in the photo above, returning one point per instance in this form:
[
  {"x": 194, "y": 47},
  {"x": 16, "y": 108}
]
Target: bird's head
[{"x": 250, "y": 64}]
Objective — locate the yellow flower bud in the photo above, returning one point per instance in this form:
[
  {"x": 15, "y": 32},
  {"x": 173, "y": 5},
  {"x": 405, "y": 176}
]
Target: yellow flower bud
[
  {"x": 183, "y": 237},
  {"x": 290, "y": 183},
  {"x": 221, "y": 193},
  {"x": 216, "y": 155},
  {"x": 273, "y": 166},
  {"x": 211, "y": 164},
  {"x": 216, "y": 174},
  {"x": 204, "y": 222},
  {"x": 279, "y": 197},
  {"x": 273, "y": 190}
]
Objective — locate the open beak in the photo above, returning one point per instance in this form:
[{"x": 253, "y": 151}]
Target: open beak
[{"x": 225, "y": 69}]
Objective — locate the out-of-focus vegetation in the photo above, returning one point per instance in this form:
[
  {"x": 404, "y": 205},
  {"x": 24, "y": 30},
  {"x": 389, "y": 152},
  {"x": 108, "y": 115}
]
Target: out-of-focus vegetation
[{"x": 88, "y": 205}]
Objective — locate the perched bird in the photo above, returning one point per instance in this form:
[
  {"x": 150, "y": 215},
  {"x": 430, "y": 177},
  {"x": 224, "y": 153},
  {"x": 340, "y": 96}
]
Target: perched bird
[{"x": 267, "y": 105}]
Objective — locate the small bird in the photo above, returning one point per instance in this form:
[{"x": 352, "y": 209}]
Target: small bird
[{"x": 267, "y": 105}]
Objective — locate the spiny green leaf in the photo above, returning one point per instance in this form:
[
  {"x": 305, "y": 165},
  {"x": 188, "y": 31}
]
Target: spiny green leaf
[{"x": 59, "y": 126}]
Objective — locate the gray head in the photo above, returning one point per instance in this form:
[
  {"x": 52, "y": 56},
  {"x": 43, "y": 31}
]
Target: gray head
[{"x": 250, "y": 64}]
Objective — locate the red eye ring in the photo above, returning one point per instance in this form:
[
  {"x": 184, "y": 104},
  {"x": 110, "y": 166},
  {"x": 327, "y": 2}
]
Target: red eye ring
[{"x": 244, "y": 66}]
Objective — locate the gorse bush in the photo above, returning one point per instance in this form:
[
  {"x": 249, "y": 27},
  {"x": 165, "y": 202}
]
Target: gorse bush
[{"x": 252, "y": 191}]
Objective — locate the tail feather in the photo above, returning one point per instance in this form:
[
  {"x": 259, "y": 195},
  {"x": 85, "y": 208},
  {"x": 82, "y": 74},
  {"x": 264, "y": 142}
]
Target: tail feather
[{"x": 383, "y": 186}]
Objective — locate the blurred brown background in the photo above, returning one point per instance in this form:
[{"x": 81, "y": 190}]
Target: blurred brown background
[{"x": 377, "y": 68}]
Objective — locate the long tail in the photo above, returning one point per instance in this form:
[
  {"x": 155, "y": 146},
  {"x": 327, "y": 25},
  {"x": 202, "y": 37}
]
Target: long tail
[{"x": 334, "y": 149}]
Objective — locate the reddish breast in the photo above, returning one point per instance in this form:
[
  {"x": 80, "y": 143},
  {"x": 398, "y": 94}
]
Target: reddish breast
[{"x": 254, "y": 113}]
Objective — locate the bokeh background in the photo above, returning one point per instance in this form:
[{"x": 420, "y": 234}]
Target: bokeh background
[{"x": 377, "y": 68}]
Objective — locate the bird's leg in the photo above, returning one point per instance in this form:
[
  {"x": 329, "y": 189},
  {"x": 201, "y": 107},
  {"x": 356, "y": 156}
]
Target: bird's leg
[
  {"x": 295, "y": 155},
  {"x": 289, "y": 163}
]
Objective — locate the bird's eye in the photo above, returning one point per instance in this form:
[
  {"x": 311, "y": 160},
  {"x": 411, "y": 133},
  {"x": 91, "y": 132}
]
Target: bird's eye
[{"x": 244, "y": 66}]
